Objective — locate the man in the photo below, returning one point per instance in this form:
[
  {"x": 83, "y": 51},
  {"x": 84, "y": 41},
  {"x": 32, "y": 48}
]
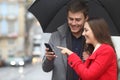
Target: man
[{"x": 68, "y": 35}]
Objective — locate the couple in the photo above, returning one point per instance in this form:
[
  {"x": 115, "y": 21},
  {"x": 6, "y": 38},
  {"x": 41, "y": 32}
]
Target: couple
[{"x": 70, "y": 39}]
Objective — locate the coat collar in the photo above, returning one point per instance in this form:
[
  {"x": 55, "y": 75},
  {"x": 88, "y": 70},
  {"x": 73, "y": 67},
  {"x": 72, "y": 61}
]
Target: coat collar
[
  {"x": 94, "y": 54},
  {"x": 63, "y": 29}
]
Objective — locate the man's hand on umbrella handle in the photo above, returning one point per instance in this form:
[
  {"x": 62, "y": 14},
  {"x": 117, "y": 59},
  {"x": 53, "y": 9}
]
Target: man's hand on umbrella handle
[{"x": 65, "y": 50}]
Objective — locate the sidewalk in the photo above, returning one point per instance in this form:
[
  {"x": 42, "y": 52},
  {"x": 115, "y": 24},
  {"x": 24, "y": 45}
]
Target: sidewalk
[{"x": 45, "y": 75}]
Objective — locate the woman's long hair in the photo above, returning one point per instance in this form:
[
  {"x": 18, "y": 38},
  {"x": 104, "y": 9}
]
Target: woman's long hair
[{"x": 101, "y": 30}]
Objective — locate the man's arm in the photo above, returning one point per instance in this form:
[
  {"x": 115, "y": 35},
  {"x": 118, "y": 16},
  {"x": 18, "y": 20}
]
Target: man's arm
[{"x": 48, "y": 60}]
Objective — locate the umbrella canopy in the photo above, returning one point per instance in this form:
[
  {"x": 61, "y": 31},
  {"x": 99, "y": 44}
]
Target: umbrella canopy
[
  {"x": 45, "y": 11},
  {"x": 52, "y": 14}
]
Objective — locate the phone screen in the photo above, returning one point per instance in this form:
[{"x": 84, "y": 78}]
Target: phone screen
[{"x": 48, "y": 46}]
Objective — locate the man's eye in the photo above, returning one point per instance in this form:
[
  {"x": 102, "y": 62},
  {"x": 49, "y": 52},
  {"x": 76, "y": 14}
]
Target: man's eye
[{"x": 78, "y": 19}]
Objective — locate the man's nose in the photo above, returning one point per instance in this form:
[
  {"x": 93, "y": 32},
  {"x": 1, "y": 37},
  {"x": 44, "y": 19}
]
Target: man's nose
[{"x": 73, "y": 22}]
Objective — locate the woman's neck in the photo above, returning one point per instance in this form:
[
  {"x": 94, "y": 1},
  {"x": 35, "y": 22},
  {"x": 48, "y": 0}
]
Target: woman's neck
[{"x": 96, "y": 46}]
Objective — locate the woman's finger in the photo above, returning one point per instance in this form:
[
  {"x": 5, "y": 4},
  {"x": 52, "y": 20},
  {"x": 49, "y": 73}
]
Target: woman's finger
[{"x": 60, "y": 47}]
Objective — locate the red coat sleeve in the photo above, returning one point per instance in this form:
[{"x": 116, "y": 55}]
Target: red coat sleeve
[{"x": 95, "y": 65}]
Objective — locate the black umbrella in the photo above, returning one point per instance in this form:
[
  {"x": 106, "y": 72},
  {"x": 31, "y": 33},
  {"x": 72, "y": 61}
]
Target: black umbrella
[
  {"x": 45, "y": 11},
  {"x": 52, "y": 14}
]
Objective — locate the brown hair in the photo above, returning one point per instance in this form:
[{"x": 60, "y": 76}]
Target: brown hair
[
  {"x": 78, "y": 5},
  {"x": 100, "y": 30}
]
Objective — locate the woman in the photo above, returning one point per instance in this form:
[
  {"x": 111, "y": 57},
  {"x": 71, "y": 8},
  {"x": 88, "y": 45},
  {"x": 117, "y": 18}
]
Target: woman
[{"x": 102, "y": 63}]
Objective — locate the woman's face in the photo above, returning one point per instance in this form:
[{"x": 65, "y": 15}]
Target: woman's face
[{"x": 88, "y": 33}]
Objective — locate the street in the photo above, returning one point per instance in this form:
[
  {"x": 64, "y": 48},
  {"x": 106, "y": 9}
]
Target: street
[{"x": 29, "y": 72}]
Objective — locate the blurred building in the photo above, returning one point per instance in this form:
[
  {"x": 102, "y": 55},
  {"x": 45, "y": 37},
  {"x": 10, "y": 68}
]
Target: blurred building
[
  {"x": 12, "y": 28},
  {"x": 20, "y": 32}
]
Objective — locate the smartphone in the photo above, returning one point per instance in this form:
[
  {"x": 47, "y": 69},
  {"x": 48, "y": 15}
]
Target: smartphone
[{"x": 48, "y": 46}]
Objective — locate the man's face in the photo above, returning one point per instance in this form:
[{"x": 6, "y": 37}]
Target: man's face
[{"x": 76, "y": 21}]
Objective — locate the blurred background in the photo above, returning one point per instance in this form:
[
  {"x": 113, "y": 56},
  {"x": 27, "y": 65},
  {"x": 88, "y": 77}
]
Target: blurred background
[{"x": 21, "y": 42}]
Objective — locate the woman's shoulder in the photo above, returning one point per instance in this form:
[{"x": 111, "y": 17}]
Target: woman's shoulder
[{"x": 106, "y": 47}]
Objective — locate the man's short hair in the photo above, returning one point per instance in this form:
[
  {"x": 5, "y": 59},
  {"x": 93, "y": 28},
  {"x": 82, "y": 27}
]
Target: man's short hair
[{"x": 78, "y": 6}]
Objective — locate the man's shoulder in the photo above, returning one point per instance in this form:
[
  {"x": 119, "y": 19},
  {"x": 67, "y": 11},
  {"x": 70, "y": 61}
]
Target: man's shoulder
[
  {"x": 63, "y": 26},
  {"x": 61, "y": 30}
]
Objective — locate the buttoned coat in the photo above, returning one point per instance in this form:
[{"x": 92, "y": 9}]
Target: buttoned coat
[{"x": 101, "y": 65}]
